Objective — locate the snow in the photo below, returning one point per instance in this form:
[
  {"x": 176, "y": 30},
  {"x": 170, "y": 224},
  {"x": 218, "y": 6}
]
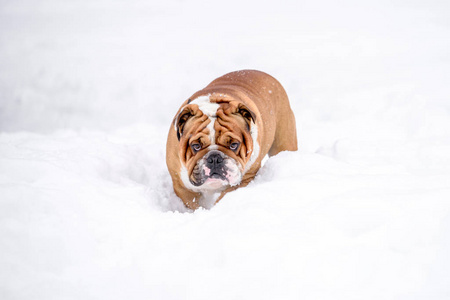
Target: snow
[{"x": 88, "y": 91}]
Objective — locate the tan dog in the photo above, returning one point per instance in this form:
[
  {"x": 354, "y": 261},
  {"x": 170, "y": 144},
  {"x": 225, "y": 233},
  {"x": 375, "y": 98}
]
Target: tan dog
[{"x": 221, "y": 133}]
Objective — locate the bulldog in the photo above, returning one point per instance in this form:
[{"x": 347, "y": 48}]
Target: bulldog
[{"x": 220, "y": 135}]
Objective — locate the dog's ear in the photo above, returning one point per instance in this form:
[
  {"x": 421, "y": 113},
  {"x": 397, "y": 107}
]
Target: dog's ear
[
  {"x": 181, "y": 120},
  {"x": 247, "y": 114}
]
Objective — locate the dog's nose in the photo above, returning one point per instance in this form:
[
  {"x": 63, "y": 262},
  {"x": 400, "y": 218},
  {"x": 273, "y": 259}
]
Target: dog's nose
[{"x": 214, "y": 161}]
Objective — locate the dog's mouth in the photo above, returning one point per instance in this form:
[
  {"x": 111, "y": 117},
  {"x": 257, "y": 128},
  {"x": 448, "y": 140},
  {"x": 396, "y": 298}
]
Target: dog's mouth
[
  {"x": 217, "y": 175},
  {"x": 208, "y": 177},
  {"x": 215, "y": 171}
]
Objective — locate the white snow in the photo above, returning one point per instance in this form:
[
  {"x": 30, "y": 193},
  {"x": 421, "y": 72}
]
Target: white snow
[{"x": 88, "y": 91}]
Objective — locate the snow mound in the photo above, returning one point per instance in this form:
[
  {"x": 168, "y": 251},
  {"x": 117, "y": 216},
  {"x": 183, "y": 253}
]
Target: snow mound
[{"x": 88, "y": 92}]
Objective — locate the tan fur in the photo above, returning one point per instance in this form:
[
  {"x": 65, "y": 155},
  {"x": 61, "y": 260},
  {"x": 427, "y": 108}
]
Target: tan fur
[{"x": 264, "y": 96}]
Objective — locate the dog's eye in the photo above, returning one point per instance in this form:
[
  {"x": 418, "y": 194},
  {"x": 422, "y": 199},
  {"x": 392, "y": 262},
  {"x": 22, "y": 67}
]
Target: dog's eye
[
  {"x": 196, "y": 147},
  {"x": 234, "y": 146}
]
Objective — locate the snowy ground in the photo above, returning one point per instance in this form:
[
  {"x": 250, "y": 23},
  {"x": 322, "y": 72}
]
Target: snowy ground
[{"x": 87, "y": 93}]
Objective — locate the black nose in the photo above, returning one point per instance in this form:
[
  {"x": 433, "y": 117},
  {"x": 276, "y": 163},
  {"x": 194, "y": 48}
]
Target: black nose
[{"x": 214, "y": 161}]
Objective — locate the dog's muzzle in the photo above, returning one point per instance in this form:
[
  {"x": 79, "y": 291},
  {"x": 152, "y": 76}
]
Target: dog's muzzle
[
  {"x": 214, "y": 170},
  {"x": 216, "y": 165}
]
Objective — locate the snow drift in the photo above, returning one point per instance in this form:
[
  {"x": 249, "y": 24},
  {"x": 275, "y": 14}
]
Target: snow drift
[{"x": 87, "y": 94}]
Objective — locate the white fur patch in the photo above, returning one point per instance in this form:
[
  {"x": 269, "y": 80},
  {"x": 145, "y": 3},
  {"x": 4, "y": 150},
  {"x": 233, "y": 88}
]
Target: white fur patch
[
  {"x": 255, "y": 153},
  {"x": 234, "y": 174},
  {"x": 209, "y": 109},
  {"x": 212, "y": 131},
  {"x": 185, "y": 179}
]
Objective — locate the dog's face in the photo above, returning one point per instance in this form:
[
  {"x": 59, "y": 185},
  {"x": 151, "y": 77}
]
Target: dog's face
[{"x": 218, "y": 142}]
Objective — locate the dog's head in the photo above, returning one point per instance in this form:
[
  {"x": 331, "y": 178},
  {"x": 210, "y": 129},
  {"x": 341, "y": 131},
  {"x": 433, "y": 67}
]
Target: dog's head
[{"x": 217, "y": 137}]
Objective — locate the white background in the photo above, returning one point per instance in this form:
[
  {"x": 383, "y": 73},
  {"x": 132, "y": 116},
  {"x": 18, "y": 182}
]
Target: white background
[{"x": 87, "y": 93}]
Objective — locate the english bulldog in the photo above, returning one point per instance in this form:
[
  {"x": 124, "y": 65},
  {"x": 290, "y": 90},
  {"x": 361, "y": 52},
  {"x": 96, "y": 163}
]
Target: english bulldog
[{"x": 220, "y": 135}]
